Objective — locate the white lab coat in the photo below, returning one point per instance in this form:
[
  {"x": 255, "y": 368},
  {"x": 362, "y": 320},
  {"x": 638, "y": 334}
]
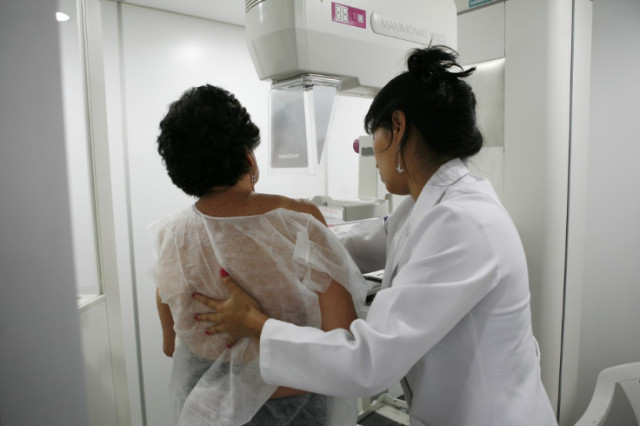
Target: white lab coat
[{"x": 453, "y": 324}]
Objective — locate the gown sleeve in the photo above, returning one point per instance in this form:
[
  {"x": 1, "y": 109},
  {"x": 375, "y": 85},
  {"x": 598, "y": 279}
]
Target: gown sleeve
[{"x": 452, "y": 264}]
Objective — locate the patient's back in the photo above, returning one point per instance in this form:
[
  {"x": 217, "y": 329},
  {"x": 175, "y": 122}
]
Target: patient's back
[{"x": 281, "y": 257}]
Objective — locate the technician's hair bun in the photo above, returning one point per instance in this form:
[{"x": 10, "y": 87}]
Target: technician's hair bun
[{"x": 433, "y": 63}]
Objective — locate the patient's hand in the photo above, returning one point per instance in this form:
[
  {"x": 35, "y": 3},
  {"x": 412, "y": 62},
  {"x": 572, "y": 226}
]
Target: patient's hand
[{"x": 239, "y": 316}]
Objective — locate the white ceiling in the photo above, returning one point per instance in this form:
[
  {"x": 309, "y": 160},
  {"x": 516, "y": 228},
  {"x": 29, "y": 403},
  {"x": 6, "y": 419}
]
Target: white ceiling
[{"x": 230, "y": 11}]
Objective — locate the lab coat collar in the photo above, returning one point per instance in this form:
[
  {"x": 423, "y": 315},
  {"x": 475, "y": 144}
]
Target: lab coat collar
[{"x": 448, "y": 174}]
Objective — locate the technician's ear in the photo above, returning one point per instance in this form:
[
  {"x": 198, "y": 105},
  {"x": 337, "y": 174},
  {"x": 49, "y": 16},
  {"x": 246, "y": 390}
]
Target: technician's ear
[{"x": 399, "y": 125}]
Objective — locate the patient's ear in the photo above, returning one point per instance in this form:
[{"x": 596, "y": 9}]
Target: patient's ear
[{"x": 254, "y": 171}]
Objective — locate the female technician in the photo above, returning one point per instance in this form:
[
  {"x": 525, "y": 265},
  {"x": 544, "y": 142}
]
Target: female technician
[{"x": 453, "y": 321}]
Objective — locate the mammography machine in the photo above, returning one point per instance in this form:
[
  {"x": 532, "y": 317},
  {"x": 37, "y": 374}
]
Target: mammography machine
[{"x": 313, "y": 50}]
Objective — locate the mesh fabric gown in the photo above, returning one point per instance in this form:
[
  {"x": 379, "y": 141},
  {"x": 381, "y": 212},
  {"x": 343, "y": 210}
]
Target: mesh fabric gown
[{"x": 282, "y": 258}]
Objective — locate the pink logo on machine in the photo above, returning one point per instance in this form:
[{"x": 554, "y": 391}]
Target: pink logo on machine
[{"x": 349, "y": 15}]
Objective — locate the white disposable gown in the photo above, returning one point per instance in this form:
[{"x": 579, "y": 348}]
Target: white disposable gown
[
  {"x": 282, "y": 258},
  {"x": 453, "y": 323}
]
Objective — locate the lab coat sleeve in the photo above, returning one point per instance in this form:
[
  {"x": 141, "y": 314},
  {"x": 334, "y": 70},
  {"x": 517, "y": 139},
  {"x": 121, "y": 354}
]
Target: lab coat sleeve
[{"x": 451, "y": 266}]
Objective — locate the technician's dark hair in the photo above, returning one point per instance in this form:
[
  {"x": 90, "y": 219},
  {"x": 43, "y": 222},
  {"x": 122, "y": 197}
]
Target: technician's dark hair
[
  {"x": 204, "y": 140},
  {"x": 435, "y": 101}
]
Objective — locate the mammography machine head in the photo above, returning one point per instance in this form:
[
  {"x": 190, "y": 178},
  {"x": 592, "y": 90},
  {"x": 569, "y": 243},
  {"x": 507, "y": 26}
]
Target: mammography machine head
[
  {"x": 312, "y": 50},
  {"x": 363, "y": 44}
]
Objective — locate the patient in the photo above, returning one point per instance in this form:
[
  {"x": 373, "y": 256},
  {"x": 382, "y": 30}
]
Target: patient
[{"x": 280, "y": 247}]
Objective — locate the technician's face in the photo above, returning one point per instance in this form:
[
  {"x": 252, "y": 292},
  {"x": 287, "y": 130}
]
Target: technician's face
[{"x": 385, "y": 150}]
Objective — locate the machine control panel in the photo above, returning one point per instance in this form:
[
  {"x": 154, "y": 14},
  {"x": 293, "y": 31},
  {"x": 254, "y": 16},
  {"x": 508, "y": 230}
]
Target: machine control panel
[{"x": 349, "y": 15}]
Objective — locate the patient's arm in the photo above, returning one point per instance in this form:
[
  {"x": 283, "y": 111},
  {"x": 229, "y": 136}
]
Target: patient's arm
[
  {"x": 336, "y": 306},
  {"x": 337, "y": 311},
  {"x": 166, "y": 320}
]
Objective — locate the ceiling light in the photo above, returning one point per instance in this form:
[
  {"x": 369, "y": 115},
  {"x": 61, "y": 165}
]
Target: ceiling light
[{"x": 62, "y": 17}]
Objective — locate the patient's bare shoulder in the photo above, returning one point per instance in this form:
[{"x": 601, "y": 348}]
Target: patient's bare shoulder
[
  {"x": 306, "y": 206},
  {"x": 300, "y": 205},
  {"x": 266, "y": 202}
]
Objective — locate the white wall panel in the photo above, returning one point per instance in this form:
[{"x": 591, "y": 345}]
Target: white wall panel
[
  {"x": 581, "y": 59},
  {"x": 121, "y": 214},
  {"x": 537, "y": 105},
  {"x": 101, "y": 402},
  {"x": 41, "y": 375},
  {"x": 481, "y": 34},
  {"x": 610, "y": 315},
  {"x": 530, "y": 168}
]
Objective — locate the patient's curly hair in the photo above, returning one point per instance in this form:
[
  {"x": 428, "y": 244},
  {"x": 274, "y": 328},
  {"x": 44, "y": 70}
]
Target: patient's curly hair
[{"x": 204, "y": 140}]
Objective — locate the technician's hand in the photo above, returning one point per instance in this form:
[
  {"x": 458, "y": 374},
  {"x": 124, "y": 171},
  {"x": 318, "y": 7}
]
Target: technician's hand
[{"x": 239, "y": 316}]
